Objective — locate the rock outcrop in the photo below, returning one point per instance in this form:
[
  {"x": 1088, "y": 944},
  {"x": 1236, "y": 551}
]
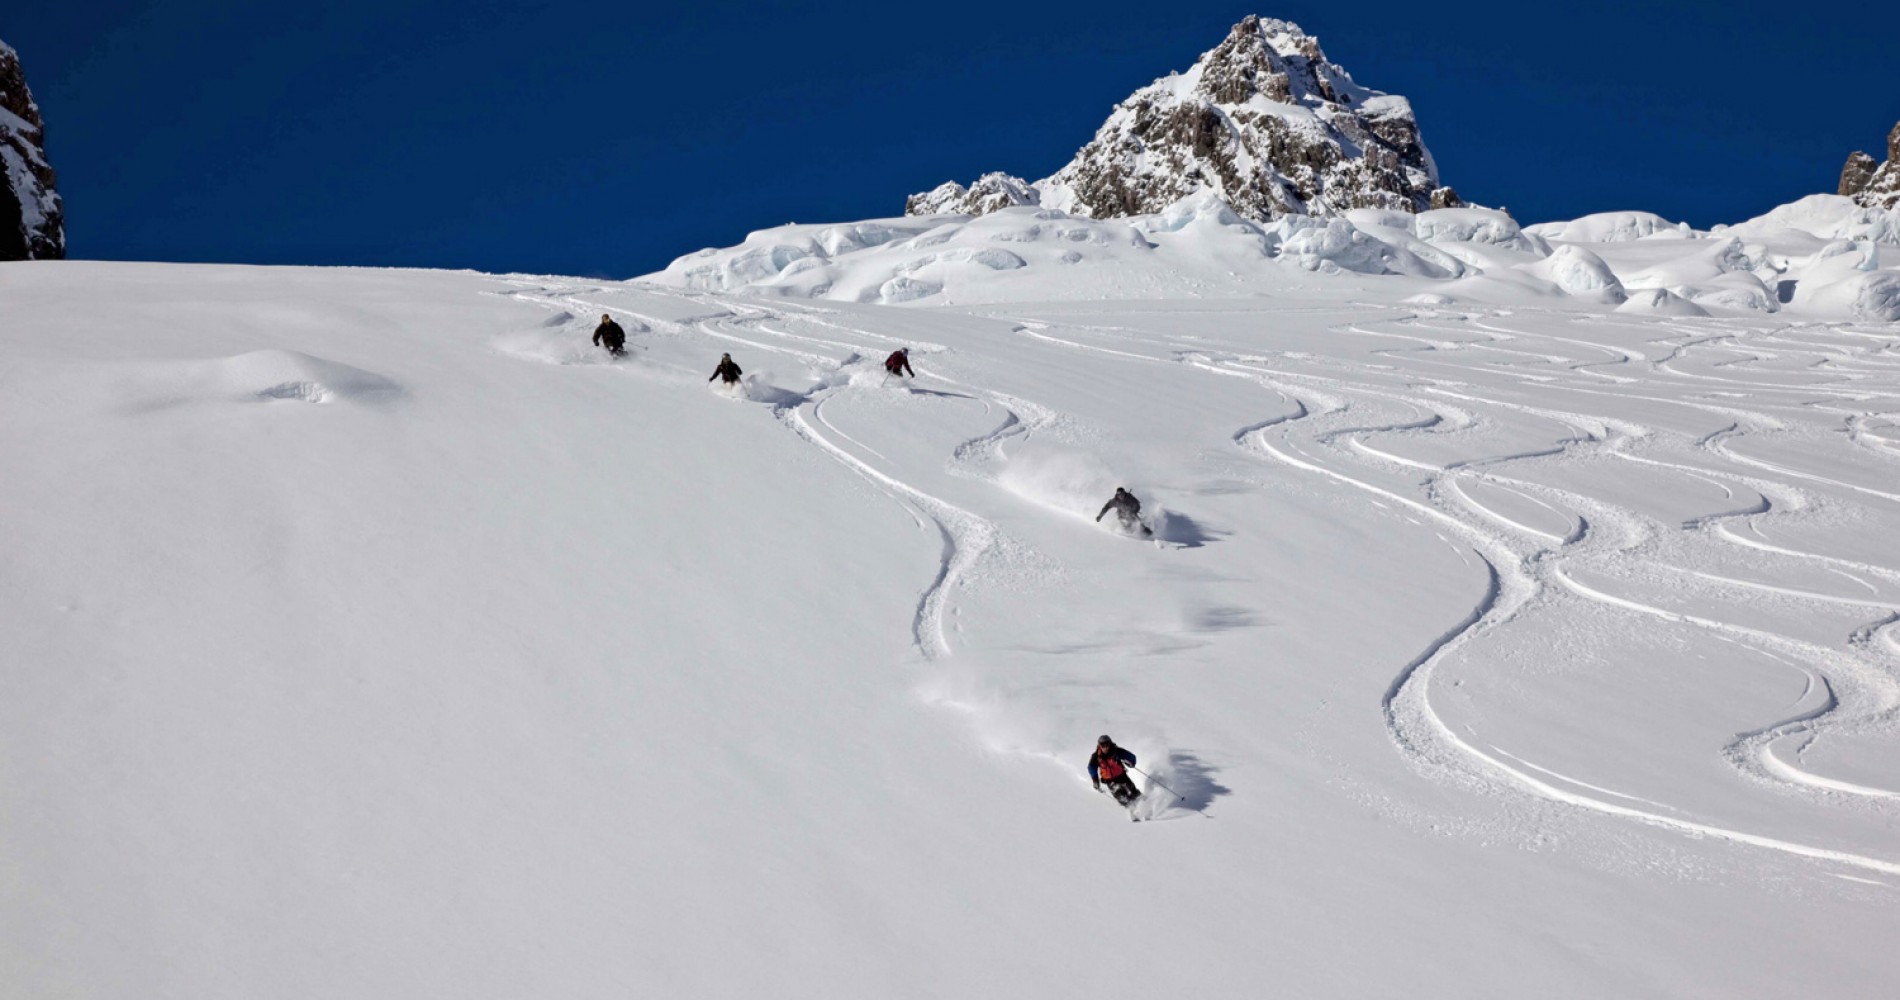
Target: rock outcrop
[
  {"x": 1874, "y": 186},
  {"x": 1859, "y": 170},
  {"x": 990, "y": 192},
  {"x": 32, "y": 221},
  {"x": 1264, "y": 120}
]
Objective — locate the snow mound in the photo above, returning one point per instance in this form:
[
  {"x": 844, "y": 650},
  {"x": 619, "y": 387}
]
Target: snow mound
[
  {"x": 1468, "y": 225},
  {"x": 1322, "y": 244},
  {"x": 905, "y": 289},
  {"x": 888, "y": 261},
  {"x": 1721, "y": 272},
  {"x": 1842, "y": 288},
  {"x": 1737, "y": 291},
  {"x": 1823, "y": 217},
  {"x": 258, "y": 377},
  {"x": 1581, "y": 273},
  {"x": 1660, "y": 302},
  {"x": 767, "y": 256},
  {"x": 1196, "y": 211},
  {"x": 1612, "y": 227},
  {"x": 1407, "y": 253}
]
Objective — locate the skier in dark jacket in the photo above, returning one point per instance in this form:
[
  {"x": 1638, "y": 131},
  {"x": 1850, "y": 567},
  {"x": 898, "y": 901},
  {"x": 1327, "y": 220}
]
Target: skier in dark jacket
[
  {"x": 727, "y": 370},
  {"x": 1125, "y": 506},
  {"x": 609, "y": 335},
  {"x": 899, "y": 363},
  {"x": 1109, "y": 764}
]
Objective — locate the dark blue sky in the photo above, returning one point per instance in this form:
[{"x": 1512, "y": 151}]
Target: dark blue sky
[{"x": 608, "y": 138}]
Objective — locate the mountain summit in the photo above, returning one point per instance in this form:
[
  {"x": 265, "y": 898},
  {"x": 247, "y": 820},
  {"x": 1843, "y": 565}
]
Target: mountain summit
[
  {"x": 32, "y": 223},
  {"x": 1264, "y": 120}
]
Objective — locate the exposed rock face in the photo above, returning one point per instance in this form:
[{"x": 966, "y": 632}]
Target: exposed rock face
[
  {"x": 32, "y": 221},
  {"x": 1263, "y": 120},
  {"x": 1858, "y": 171},
  {"x": 1882, "y": 189}
]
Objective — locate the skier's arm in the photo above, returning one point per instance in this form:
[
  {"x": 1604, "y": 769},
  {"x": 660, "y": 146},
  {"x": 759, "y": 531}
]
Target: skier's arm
[
  {"x": 1105, "y": 509},
  {"x": 1094, "y": 777},
  {"x": 1126, "y": 756}
]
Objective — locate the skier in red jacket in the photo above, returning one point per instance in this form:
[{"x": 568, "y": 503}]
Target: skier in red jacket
[
  {"x": 899, "y": 363},
  {"x": 1109, "y": 765}
]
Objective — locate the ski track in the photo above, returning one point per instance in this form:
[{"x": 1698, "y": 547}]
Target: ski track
[
  {"x": 1850, "y": 688},
  {"x": 1521, "y": 575},
  {"x": 1528, "y": 574},
  {"x": 962, "y": 535},
  {"x": 966, "y": 537}
]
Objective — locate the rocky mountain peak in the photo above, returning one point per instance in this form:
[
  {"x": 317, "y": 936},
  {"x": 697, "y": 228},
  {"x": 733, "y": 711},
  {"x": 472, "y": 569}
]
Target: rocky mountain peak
[
  {"x": 1264, "y": 56},
  {"x": 1874, "y": 186},
  {"x": 1264, "y": 120},
  {"x": 32, "y": 220}
]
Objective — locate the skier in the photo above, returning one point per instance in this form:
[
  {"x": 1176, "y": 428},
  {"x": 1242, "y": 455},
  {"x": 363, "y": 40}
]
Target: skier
[
  {"x": 727, "y": 370},
  {"x": 899, "y": 363},
  {"x": 1110, "y": 763},
  {"x": 609, "y": 335},
  {"x": 1126, "y": 507}
]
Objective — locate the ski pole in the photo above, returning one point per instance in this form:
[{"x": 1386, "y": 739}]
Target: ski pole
[{"x": 1178, "y": 796}]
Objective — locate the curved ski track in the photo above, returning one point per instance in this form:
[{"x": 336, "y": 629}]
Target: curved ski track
[
  {"x": 1851, "y": 688},
  {"x": 965, "y": 536}
]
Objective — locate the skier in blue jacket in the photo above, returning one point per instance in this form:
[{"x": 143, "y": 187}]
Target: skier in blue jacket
[{"x": 1110, "y": 763}]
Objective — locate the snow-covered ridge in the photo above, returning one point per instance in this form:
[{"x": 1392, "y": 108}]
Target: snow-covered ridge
[
  {"x": 1819, "y": 256},
  {"x": 32, "y": 219},
  {"x": 1264, "y": 120}
]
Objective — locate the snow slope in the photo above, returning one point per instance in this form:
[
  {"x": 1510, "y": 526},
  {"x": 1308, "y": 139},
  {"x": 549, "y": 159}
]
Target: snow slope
[{"x": 367, "y": 635}]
